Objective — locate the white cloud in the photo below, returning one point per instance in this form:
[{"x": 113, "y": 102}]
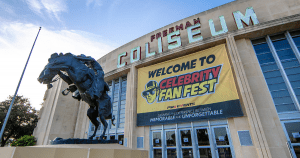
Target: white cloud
[
  {"x": 35, "y": 5},
  {"x": 9, "y": 9},
  {"x": 16, "y": 40},
  {"x": 97, "y": 3},
  {"x": 51, "y": 7}
]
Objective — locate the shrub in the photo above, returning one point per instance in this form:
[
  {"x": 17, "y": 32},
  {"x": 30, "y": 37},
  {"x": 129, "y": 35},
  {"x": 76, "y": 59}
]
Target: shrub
[{"x": 25, "y": 140}]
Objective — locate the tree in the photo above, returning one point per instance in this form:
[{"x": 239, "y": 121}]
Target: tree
[{"x": 22, "y": 120}]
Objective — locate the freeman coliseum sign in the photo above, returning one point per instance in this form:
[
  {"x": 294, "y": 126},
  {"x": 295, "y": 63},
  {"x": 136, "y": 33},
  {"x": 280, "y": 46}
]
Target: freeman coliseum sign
[
  {"x": 193, "y": 87},
  {"x": 193, "y": 31}
]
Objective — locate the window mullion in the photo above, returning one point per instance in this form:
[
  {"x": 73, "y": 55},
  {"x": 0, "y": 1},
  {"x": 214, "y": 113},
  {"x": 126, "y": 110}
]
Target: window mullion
[
  {"x": 293, "y": 45},
  {"x": 119, "y": 103},
  {"x": 281, "y": 69},
  {"x": 112, "y": 96}
]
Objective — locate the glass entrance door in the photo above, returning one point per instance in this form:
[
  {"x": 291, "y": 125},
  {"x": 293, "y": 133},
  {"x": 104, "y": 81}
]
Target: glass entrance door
[
  {"x": 157, "y": 144},
  {"x": 292, "y": 131},
  {"x": 222, "y": 144},
  {"x": 170, "y": 143},
  {"x": 203, "y": 142},
  {"x": 186, "y": 143},
  {"x": 192, "y": 142}
]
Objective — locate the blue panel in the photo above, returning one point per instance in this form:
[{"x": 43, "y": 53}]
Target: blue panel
[
  {"x": 261, "y": 48},
  {"x": 285, "y": 108},
  {"x": 281, "y": 44},
  {"x": 277, "y": 86},
  {"x": 281, "y": 93},
  {"x": 294, "y": 77},
  {"x": 125, "y": 142},
  {"x": 292, "y": 71},
  {"x": 269, "y": 67},
  {"x": 140, "y": 142},
  {"x": 297, "y": 91},
  {"x": 297, "y": 41},
  {"x": 275, "y": 80},
  {"x": 286, "y": 54},
  {"x": 283, "y": 100},
  {"x": 295, "y": 84},
  {"x": 290, "y": 63},
  {"x": 272, "y": 74},
  {"x": 245, "y": 138}
]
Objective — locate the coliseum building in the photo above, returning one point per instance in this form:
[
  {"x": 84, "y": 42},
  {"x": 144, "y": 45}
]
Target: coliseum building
[{"x": 224, "y": 83}]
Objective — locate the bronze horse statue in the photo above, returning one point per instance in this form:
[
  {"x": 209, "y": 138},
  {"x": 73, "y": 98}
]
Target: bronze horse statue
[{"x": 85, "y": 78}]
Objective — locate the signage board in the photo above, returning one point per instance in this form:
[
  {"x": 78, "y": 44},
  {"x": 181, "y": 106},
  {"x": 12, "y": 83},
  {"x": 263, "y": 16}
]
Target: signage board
[{"x": 190, "y": 88}]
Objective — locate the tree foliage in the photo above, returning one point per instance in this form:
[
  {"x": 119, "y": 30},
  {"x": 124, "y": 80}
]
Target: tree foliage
[
  {"x": 22, "y": 120},
  {"x": 25, "y": 140}
]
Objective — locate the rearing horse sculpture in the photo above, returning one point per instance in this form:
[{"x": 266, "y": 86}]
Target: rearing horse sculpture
[{"x": 85, "y": 78}]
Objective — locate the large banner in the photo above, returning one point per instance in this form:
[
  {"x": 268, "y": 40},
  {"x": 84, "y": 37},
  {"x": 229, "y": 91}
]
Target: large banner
[{"x": 190, "y": 88}]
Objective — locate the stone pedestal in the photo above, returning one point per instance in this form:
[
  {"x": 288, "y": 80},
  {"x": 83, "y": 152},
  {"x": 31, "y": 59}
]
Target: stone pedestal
[{"x": 73, "y": 151}]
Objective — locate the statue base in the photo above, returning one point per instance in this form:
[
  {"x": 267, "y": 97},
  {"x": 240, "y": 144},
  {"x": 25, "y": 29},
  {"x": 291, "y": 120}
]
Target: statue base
[
  {"x": 81, "y": 141},
  {"x": 73, "y": 151}
]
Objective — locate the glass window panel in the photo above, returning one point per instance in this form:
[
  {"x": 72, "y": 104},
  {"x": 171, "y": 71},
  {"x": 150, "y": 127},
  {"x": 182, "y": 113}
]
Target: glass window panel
[
  {"x": 122, "y": 111},
  {"x": 269, "y": 67},
  {"x": 123, "y": 102},
  {"x": 295, "y": 84},
  {"x": 290, "y": 63},
  {"x": 122, "y": 106},
  {"x": 297, "y": 91},
  {"x": 272, "y": 74},
  {"x": 171, "y": 153},
  {"x": 156, "y": 139},
  {"x": 281, "y": 93},
  {"x": 275, "y": 80},
  {"x": 292, "y": 71},
  {"x": 285, "y": 108},
  {"x": 221, "y": 136},
  {"x": 297, "y": 41},
  {"x": 116, "y": 99},
  {"x": 187, "y": 153},
  {"x": 267, "y": 60},
  {"x": 122, "y": 116},
  {"x": 115, "y": 113},
  {"x": 265, "y": 56},
  {"x": 224, "y": 152},
  {"x": 281, "y": 44},
  {"x": 115, "y": 104},
  {"x": 170, "y": 138},
  {"x": 205, "y": 152},
  {"x": 112, "y": 137},
  {"x": 282, "y": 100},
  {"x": 122, "y": 120},
  {"x": 294, "y": 77},
  {"x": 202, "y": 136},
  {"x": 286, "y": 54},
  {"x": 293, "y": 130},
  {"x": 277, "y": 86},
  {"x": 116, "y": 93},
  {"x": 297, "y": 150},
  {"x": 121, "y": 125},
  {"x": 186, "y": 138},
  {"x": 157, "y": 153},
  {"x": 262, "y": 48},
  {"x": 120, "y": 139},
  {"x": 123, "y": 97}
]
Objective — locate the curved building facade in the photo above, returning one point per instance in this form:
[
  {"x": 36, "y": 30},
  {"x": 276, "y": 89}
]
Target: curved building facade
[{"x": 219, "y": 84}]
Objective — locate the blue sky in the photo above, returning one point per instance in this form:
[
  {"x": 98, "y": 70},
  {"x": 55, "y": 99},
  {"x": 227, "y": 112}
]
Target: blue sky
[{"x": 91, "y": 27}]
